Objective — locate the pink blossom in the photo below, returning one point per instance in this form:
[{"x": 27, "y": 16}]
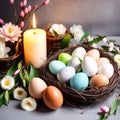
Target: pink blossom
[
  {"x": 46, "y": 2},
  {"x": 104, "y": 109},
  {"x": 10, "y": 32},
  {"x": 12, "y": 1},
  {"x": 24, "y": 2},
  {"x": 1, "y": 21},
  {"x": 21, "y": 4},
  {"x": 35, "y": 7},
  {"x": 26, "y": 10},
  {"x": 29, "y": 8},
  {"x": 22, "y": 14},
  {"x": 22, "y": 24}
]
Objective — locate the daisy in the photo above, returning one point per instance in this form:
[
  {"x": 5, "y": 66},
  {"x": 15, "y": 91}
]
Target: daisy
[
  {"x": 29, "y": 104},
  {"x": 7, "y": 83},
  {"x": 117, "y": 59},
  {"x": 19, "y": 93}
]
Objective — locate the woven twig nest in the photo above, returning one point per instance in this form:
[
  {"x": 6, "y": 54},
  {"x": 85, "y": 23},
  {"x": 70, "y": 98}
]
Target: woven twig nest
[
  {"x": 53, "y": 42},
  {"x": 87, "y": 96},
  {"x": 14, "y": 55}
]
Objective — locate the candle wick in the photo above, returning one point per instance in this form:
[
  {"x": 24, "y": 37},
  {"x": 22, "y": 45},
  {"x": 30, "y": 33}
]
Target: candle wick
[{"x": 34, "y": 32}]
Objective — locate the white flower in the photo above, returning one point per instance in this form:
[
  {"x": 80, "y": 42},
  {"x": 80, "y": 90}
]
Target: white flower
[
  {"x": 94, "y": 45},
  {"x": 29, "y": 104},
  {"x": 104, "y": 40},
  {"x": 19, "y": 93},
  {"x": 58, "y": 28},
  {"x": 117, "y": 59},
  {"x": 7, "y": 82},
  {"x": 3, "y": 50},
  {"x": 77, "y": 31}
]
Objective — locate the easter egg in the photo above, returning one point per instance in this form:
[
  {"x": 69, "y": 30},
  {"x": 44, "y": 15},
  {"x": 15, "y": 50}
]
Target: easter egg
[
  {"x": 107, "y": 69},
  {"x": 99, "y": 80},
  {"x": 94, "y": 53},
  {"x": 66, "y": 73},
  {"x": 55, "y": 66},
  {"x": 36, "y": 88},
  {"x": 52, "y": 97},
  {"x": 75, "y": 62},
  {"x": 79, "y": 52},
  {"x": 79, "y": 81},
  {"x": 64, "y": 57},
  {"x": 89, "y": 66}
]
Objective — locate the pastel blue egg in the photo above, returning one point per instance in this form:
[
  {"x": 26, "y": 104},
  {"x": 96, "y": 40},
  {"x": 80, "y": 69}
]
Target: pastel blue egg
[
  {"x": 80, "y": 81},
  {"x": 55, "y": 66}
]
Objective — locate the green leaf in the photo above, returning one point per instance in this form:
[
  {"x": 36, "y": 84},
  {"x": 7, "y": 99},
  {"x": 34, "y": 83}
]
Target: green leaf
[
  {"x": 32, "y": 72},
  {"x": 114, "y": 106},
  {"x": 26, "y": 76},
  {"x": 12, "y": 69},
  {"x": 19, "y": 65},
  {"x": 84, "y": 36},
  {"x": 2, "y": 99},
  {"x": 104, "y": 116},
  {"x": 6, "y": 97},
  {"x": 113, "y": 41},
  {"x": 65, "y": 42},
  {"x": 95, "y": 40}
]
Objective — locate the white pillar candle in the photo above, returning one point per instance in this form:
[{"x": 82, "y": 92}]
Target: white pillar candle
[{"x": 34, "y": 41}]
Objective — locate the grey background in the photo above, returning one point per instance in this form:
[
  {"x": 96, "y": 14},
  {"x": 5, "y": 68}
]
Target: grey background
[{"x": 98, "y": 16}]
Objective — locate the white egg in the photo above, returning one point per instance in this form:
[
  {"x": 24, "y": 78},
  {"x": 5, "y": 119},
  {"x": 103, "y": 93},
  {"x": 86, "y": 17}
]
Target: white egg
[
  {"x": 107, "y": 69},
  {"x": 79, "y": 52},
  {"x": 75, "y": 62},
  {"x": 66, "y": 73},
  {"x": 89, "y": 66}
]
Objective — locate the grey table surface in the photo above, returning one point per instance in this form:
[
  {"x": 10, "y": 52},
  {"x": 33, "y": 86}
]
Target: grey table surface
[{"x": 14, "y": 112}]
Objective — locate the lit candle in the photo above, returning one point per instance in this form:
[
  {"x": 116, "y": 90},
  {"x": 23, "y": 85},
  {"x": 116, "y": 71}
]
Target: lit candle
[{"x": 35, "y": 46}]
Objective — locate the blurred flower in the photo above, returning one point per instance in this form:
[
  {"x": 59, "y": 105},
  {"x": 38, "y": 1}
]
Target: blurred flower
[
  {"x": 10, "y": 32},
  {"x": 7, "y": 83},
  {"x": 105, "y": 40},
  {"x": 19, "y": 93},
  {"x": 117, "y": 59},
  {"x": 1, "y": 21},
  {"x": 12, "y": 1},
  {"x": 104, "y": 109},
  {"x": 46, "y": 2},
  {"x": 58, "y": 29},
  {"x": 29, "y": 104},
  {"x": 77, "y": 32}
]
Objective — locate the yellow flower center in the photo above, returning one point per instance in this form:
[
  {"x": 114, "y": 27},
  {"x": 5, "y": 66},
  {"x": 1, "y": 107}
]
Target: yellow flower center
[
  {"x": 10, "y": 29},
  {"x": 28, "y": 104},
  {"x": 119, "y": 59},
  {"x": 20, "y": 92},
  {"x": 7, "y": 83}
]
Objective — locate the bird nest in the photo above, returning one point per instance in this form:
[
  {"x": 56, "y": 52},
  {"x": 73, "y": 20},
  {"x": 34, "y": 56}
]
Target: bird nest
[
  {"x": 53, "y": 42},
  {"x": 79, "y": 97},
  {"x": 14, "y": 55}
]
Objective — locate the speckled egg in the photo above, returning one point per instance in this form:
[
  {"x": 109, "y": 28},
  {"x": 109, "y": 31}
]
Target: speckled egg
[
  {"x": 80, "y": 81},
  {"x": 66, "y": 73},
  {"x": 55, "y": 66}
]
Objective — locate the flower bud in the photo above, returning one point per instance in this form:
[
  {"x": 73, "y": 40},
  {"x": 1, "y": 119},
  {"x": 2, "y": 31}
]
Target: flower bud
[
  {"x": 22, "y": 14},
  {"x": 35, "y": 7},
  {"x": 104, "y": 109},
  {"x": 1, "y": 21},
  {"x": 22, "y": 24},
  {"x": 29, "y": 8},
  {"x": 12, "y": 1},
  {"x": 24, "y": 2},
  {"x": 26, "y": 10},
  {"x": 21, "y": 4},
  {"x": 46, "y": 2}
]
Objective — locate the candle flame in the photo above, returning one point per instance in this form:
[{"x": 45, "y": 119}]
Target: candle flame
[{"x": 34, "y": 21}]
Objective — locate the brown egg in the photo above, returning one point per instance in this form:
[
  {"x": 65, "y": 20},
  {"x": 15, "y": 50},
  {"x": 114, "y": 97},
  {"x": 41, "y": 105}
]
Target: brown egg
[
  {"x": 99, "y": 80},
  {"x": 53, "y": 97},
  {"x": 102, "y": 60},
  {"x": 94, "y": 53},
  {"x": 36, "y": 88}
]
